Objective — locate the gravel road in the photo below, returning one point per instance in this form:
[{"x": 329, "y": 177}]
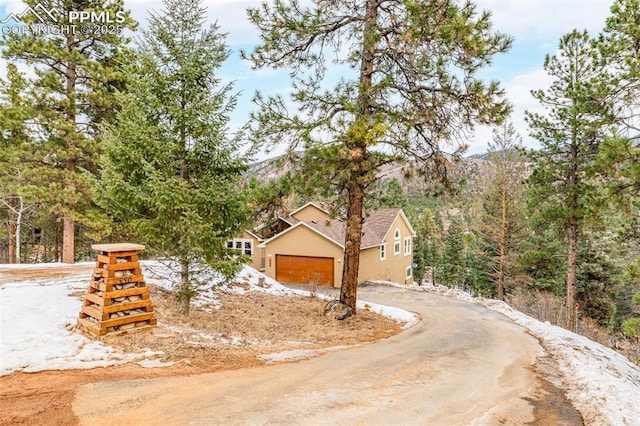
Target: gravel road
[{"x": 462, "y": 364}]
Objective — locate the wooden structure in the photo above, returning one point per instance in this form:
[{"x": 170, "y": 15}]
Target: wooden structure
[{"x": 118, "y": 298}]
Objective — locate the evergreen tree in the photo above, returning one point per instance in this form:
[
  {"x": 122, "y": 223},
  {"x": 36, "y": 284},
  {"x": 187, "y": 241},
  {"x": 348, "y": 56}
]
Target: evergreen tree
[
  {"x": 392, "y": 195},
  {"x": 426, "y": 247},
  {"x": 75, "y": 76},
  {"x": 170, "y": 169},
  {"x": 453, "y": 254},
  {"x": 409, "y": 84},
  {"x": 17, "y": 156},
  {"x": 570, "y": 133},
  {"x": 631, "y": 326},
  {"x": 618, "y": 48},
  {"x": 502, "y": 213}
]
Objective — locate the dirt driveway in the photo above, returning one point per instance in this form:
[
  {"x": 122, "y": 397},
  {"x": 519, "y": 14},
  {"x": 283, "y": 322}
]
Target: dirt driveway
[{"x": 462, "y": 364}]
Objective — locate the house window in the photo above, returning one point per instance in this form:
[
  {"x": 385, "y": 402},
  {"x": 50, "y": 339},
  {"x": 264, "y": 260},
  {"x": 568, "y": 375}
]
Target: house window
[
  {"x": 241, "y": 245},
  {"x": 409, "y": 272},
  {"x": 407, "y": 246},
  {"x": 383, "y": 251},
  {"x": 396, "y": 242}
]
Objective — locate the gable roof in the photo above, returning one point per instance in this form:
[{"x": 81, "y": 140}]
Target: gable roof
[
  {"x": 254, "y": 235},
  {"x": 310, "y": 203},
  {"x": 297, "y": 225},
  {"x": 374, "y": 230}
]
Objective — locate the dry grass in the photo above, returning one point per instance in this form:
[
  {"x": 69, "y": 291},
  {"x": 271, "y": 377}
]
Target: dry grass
[
  {"x": 544, "y": 306},
  {"x": 246, "y": 326}
]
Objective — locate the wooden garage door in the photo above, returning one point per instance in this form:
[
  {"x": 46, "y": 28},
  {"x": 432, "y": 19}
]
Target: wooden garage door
[{"x": 304, "y": 269}]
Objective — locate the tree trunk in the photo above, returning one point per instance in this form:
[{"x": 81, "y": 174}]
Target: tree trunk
[
  {"x": 503, "y": 243},
  {"x": 351, "y": 264},
  {"x": 18, "y": 227},
  {"x": 11, "y": 225},
  {"x": 68, "y": 233},
  {"x": 68, "y": 241},
  {"x": 572, "y": 231},
  {"x": 571, "y": 275},
  {"x": 185, "y": 291},
  {"x": 358, "y": 167},
  {"x": 56, "y": 246}
]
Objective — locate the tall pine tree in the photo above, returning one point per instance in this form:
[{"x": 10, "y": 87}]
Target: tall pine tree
[
  {"x": 571, "y": 132},
  {"x": 409, "y": 84},
  {"x": 170, "y": 169},
  {"x": 502, "y": 211}
]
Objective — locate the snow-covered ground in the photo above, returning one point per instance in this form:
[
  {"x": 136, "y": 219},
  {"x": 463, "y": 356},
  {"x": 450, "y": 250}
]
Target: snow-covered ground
[{"x": 38, "y": 316}]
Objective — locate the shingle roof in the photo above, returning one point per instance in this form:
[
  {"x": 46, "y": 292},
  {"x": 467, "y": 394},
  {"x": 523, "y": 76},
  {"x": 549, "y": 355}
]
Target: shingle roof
[{"x": 374, "y": 229}]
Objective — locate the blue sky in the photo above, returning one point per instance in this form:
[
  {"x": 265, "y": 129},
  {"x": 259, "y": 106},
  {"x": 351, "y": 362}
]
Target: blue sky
[{"x": 536, "y": 26}]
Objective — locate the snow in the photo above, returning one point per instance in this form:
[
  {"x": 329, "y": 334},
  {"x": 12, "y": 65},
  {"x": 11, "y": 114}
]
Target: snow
[
  {"x": 396, "y": 314},
  {"x": 298, "y": 354},
  {"x": 35, "y": 326}
]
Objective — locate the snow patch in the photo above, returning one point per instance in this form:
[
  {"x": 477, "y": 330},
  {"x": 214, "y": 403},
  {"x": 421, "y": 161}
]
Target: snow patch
[{"x": 298, "y": 354}]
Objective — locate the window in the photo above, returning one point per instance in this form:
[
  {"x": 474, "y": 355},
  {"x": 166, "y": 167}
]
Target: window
[
  {"x": 409, "y": 271},
  {"x": 241, "y": 245},
  {"x": 407, "y": 246},
  {"x": 383, "y": 251},
  {"x": 396, "y": 243}
]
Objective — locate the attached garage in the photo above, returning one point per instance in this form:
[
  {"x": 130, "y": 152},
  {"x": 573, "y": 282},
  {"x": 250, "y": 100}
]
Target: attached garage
[{"x": 304, "y": 269}]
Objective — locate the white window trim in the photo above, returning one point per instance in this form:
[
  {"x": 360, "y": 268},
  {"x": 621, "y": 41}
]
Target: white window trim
[
  {"x": 407, "y": 246},
  {"x": 397, "y": 236},
  {"x": 409, "y": 272},
  {"x": 383, "y": 251},
  {"x": 242, "y": 248},
  {"x": 397, "y": 249}
]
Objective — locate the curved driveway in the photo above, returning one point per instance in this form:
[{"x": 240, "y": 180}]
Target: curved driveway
[{"x": 462, "y": 364}]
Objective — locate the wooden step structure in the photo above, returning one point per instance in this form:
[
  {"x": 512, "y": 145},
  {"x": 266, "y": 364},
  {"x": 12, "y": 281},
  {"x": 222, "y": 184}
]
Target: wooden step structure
[{"x": 118, "y": 298}]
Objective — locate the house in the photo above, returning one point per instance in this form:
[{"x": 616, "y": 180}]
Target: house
[{"x": 310, "y": 246}]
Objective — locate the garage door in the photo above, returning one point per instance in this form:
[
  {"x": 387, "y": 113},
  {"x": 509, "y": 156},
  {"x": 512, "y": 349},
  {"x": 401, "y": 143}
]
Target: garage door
[{"x": 304, "y": 269}]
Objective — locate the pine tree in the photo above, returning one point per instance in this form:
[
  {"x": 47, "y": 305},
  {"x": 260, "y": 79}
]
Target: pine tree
[
  {"x": 502, "y": 211},
  {"x": 571, "y": 132},
  {"x": 453, "y": 254},
  {"x": 76, "y": 72},
  {"x": 618, "y": 48},
  {"x": 409, "y": 84},
  {"x": 17, "y": 156},
  {"x": 170, "y": 169}
]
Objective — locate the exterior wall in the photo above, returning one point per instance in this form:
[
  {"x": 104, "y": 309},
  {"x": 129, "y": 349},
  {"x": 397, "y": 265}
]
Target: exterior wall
[
  {"x": 311, "y": 212},
  {"x": 394, "y": 267},
  {"x": 302, "y": 241},
  {"x": 258, "y": 253}
]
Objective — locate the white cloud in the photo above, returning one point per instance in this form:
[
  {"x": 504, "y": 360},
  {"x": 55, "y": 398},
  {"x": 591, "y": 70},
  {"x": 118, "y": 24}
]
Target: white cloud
[
  {"x": 519, "y": 94},
  {"x": 230, "y": 15},
  {"x": 544, "y": 19}
]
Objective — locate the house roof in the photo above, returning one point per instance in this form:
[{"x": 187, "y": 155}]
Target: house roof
[
  {"x": 310, "y": 203},
  {"x": 374, "y": 230},
  {"x": 254, "y": 235}
]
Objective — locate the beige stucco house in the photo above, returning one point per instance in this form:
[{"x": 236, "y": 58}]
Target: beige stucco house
[{"x": 309, "y": 248}]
